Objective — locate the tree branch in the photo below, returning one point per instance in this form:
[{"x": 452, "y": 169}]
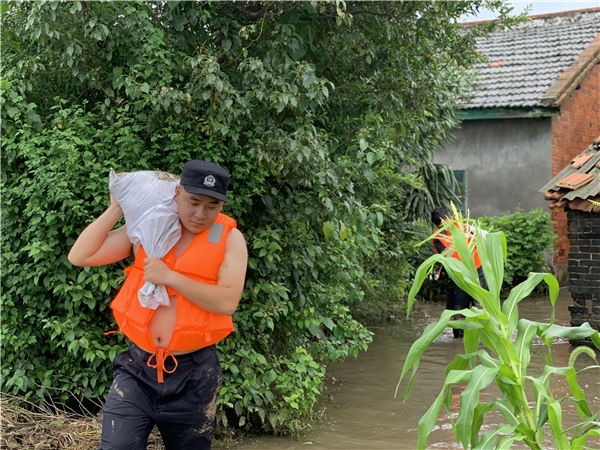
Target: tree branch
[{"x": 255, "y": 15}]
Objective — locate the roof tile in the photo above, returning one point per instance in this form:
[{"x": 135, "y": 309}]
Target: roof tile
[{"x": 532, "y": 60}]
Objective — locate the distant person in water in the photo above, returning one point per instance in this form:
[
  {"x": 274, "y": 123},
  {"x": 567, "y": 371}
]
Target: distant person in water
[{"x": 457, "y": 298}]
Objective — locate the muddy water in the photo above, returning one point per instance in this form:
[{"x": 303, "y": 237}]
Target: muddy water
[{"x": 363, "y": 413}]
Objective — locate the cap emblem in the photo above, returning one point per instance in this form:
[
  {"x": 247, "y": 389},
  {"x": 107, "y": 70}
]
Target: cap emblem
[{"x": 209, "y": 181}]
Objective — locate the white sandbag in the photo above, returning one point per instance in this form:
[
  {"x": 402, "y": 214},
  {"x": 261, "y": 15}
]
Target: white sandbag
[{"x": 147, "y": 201}]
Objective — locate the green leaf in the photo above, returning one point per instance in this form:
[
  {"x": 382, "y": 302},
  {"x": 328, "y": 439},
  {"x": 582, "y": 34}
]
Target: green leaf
[
  {"x": 431, "y": 332},
  {"x": 488, "y": 438},
  {"x": 523, "y": 290},
  {"x": 526, "y": 333},
  {"x": 12, "y": 111},
  {"x": 492, "y": 260},
  {"x": 179, "y": 22},
  {"x": 506, "y": 442},
  {"x": 478, "y": 415},
  {"x": 543, "y": 416},
  {"x": 70, "y": 336},
  {"x": 583, "y": 331},
  {"x": 429, "y": 419},
  {"x": 291, "y": 17},
  {"x": 145, "y": 88},
  {"x": 579, "y": 443},
  {"x": 506, "y": 408},
  {"x": 555, "y": 418},
  {"x": 367, "y": 172},
  {"x": 328, "y": 229},
  {"x": 480, "y": 379}
]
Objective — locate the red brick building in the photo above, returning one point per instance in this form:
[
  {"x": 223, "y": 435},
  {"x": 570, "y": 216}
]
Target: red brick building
[{"x": 576, "y": 126}]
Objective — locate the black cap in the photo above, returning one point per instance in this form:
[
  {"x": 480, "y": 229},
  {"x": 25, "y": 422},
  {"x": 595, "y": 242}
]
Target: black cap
[{"x": 205, "y": 178}]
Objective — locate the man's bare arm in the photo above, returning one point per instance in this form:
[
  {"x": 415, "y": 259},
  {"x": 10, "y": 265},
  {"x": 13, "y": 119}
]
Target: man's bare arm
[
  {"x": 222, "y": 298},
  {"x": 97, "y": 245}
]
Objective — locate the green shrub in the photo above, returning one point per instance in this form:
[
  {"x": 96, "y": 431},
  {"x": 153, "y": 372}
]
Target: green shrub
[{"x": 529, "y": 237}]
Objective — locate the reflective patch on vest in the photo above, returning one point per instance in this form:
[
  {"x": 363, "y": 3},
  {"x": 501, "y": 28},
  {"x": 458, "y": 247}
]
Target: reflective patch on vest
[{"x": 215, "y": 233}]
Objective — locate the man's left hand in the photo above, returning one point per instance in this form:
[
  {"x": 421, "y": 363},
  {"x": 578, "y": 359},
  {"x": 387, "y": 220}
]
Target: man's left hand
[{"x": 156, "y": 271}]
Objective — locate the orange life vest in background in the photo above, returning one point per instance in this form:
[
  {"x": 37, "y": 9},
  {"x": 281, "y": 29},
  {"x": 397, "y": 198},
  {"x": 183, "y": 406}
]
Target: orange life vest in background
[
  {"x": 446, "y": 240},
  {"x": 195, "y": 327}
]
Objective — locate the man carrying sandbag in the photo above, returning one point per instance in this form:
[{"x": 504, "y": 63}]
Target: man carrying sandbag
[{"x": 170, "y": 375}]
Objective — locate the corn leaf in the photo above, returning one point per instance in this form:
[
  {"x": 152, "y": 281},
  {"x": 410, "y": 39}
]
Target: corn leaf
[
  {"x": 464, "y": 325},
  {"x": 488, "y": 439},
  {"x": 458, "y": 272},
  {"x": 460, "y": 362},
  {"x": 582, "y": 406},
  {"x": 542, "y": 417},
  {"x": 478, "y": 414},
  {"x": 422, "y": 272},
  {"x": 526, "y": 333},
  {"x": 471, "y": 342},
  {"x": 580, "y": 442},
  {"x": 506, "y": 442},
  {"x": 432, "y": 331},
  {"x": 583, "y": 331},
  {"x": 481, "y": 378},
  {"x": 555, "y": 418},
  {"x": 507, "y": 410},
  {"x": 412, "y": 380},
  {"x": 492, "y": 261},
  {"x": 429, "y": 419},
  {"x": 464, "y": 252},
  {"x": 521, "y": 291},
  {"x": 493, "y": 339},
  {"x": 458, "y": 376}
]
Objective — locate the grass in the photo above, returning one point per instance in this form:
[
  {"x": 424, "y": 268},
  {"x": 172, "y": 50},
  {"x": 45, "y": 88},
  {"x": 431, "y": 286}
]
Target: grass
[{"x": 25, "y": 425}]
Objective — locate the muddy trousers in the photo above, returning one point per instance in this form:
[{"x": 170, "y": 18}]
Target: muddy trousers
[{"x": 183, "y": 407}]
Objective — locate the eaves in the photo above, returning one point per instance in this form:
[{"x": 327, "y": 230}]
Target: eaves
[
  {"x": 506, "y": 113},
  {"x": 568, "y": 81}
]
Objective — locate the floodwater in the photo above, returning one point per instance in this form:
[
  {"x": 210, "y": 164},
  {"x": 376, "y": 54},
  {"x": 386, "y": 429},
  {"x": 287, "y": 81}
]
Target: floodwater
[{"x": 362, "y": 412}]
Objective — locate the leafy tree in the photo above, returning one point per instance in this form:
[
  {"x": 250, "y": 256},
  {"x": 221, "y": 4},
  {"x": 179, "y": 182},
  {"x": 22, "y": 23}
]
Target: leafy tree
[{"x": 325, "y": 114}]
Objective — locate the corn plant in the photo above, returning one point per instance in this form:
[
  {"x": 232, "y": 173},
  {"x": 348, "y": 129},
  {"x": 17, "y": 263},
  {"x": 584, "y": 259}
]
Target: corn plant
[{"x": 501, "y": 357}]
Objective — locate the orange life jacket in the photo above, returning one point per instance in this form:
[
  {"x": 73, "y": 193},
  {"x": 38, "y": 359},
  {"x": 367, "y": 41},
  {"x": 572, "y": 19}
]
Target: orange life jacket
[
  {"x": 446, "y": 240},
  {"x": 195, "y": 327}
]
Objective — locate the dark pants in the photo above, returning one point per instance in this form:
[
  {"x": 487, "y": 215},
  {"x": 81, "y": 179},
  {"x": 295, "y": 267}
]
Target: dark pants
[
  {"x": 459, "y": 299},
  {"x": 183, "y": 407}
]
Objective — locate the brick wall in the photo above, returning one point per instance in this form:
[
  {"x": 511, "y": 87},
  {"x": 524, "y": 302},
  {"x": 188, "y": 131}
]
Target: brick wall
[
  {"x": 584, "y": 267},
  {"x": 572, "y": 132}
]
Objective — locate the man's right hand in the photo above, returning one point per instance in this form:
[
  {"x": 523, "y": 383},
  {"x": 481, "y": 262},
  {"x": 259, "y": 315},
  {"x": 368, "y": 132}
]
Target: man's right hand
[{"x": 115, "y": 205}]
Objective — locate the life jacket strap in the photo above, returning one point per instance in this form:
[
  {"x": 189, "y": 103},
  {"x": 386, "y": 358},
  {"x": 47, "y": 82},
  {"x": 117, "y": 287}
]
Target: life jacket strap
[{"x": 160, "y": 355}]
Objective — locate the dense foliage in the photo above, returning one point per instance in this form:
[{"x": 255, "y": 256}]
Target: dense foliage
[
  {"x": 325, "y": 114},
  {"x": 529, "y": 240}
]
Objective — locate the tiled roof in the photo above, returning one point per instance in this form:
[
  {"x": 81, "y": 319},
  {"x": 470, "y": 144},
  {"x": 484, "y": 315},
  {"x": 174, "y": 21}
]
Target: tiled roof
[
  {"x": 525, "y": 63},
  {"x": 577, "y": 198}
]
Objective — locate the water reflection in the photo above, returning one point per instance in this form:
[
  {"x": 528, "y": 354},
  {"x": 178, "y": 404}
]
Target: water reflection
[{"x": 365, "y": 415}]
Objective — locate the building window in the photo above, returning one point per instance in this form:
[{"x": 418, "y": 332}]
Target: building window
[{"x": 461, "y": 177}]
